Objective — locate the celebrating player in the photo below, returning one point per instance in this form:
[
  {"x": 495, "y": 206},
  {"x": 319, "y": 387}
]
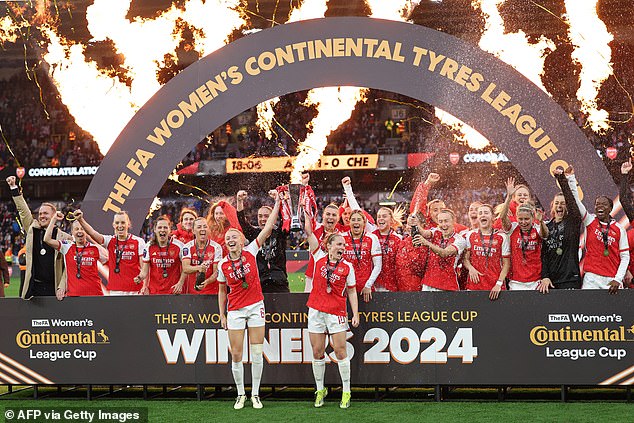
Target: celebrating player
[
  {"x": 487, "y": 256},
  {"x": 272, "y": 256},
  {"x": 607, "y": 249},
  {"x": 560, "y": 251},
  {"x": 526, "y": 241},
  {"x": 221, "y": 217},
  {"x": 445, "y": 247},
  {"x": 334, "y": 279},
  {"x": 363, "y": 250},
  {"x": 388, "y": 222},
  {"x": 125, "y": 252},
  {"x": 329, "y": 225},
  {"x": 82, "y": 275},
  {"x": 411, "y": 257},
  {"x": 184, "y": 229},
  {"x": 200, "y": 262},
  {"x": 161, "y": 261},
  {"x": 238, "y": 271}
]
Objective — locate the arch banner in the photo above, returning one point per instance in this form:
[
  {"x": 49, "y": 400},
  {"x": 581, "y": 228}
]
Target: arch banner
[{"x": 521, "y": 120}]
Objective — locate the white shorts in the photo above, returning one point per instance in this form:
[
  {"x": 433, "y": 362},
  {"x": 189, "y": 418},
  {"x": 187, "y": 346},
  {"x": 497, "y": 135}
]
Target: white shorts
[
  {"x": 594, "y": 281},
  {"x": 253, "y": 315},
  {"x": 381, "y": 289},
  {"x": 427, "y": 288},
  {"x": 119, "y": 293},
  {"x": 523, "y": 286},
  {"x": 320, "y": 322},
  {"x": 308, "y": 284}
]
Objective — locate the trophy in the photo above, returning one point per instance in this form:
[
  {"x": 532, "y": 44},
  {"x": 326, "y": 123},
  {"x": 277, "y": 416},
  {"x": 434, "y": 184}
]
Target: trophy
[{"x": 294, "y": 191}]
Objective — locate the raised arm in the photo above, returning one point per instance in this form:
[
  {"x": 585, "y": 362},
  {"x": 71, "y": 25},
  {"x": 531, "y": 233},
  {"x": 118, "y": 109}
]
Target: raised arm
[
  {"x": 626, "y": 197},
  {"x": 572, "y": 184},
  {"x": 23, "y": 209},
  {"x": 99, "y": 238},
  {"x": 419, "y": 199},
  {"x": 270, "y": 223},
  {"x": 313, "y": 242},
  {"x": 48, "y": 235},
  {"x": 571, "y": 204},
  {"x": 543, "y": 229},
  {"x": 504, "y": 213},
  {"x": 347, "y": 188}
]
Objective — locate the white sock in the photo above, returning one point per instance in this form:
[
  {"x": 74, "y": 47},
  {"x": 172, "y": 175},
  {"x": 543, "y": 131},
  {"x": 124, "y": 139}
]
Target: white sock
[
  {"x": 319, "y": 369},
  {"x": 238, "y": 376},
  {"x": 344, "y": 371},
  {"x": 256, "y": 368}
]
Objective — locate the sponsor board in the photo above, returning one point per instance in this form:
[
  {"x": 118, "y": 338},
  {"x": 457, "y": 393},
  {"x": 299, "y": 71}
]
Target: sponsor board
[{"x": 573, "y": 338}]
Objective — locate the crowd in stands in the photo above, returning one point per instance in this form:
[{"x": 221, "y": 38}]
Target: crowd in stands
[{"x": 40, "y": 130}]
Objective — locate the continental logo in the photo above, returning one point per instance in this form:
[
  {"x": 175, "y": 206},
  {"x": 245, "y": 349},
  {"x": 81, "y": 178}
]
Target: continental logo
[
  {"x": 27, "y": 339},
  {"x": 541, "y": 335}
]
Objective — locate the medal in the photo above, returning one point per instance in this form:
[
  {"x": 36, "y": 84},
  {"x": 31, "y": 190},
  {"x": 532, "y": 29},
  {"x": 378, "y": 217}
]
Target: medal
[
  {"x": 164, "y": 274},
  {"x": 606, "y": 252},
  {"x": 245, "y": 285},
  {"x": 78, "y": 275},
  {"x": 116, "y": 270},
  {"x": 328, "y": 289},
  {"x": 559, "y": 251},
  {"x": 43, "y": 251}
]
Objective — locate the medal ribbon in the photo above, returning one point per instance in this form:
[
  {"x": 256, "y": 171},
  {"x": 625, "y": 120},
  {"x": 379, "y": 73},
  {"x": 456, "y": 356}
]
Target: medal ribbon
[
  {"x": 243, "y": 275},
  {"x": 330, "y": 271},
  {"x": 486, "y": 251},
  {"x": 78, "y": 256},
  {"x": 357, "y": 253}
]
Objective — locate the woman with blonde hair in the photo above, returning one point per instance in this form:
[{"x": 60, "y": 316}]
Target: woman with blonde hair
[{"x": 388, "y": 223}]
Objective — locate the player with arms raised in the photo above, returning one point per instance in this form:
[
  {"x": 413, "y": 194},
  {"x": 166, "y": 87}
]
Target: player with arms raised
[
  {"x": 238, "y": 271},
  {"x": 333, "y": 280}
]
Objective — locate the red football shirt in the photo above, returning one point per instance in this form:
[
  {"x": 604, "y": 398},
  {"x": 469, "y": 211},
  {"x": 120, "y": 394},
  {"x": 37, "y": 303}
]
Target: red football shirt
[
  {"x": 360, "y": 252},
  {"x": 234, "y": 273},
  {"x": 389, "y": 248},
  {"x": 441, "y": 272},
  {"x": 130, "y": 253},
  {"x": 165, "y": 266},
  {"x": 89, "y": 282},
  {"x": 410, "y": 265},
  {"x": 486, "y": 253},
  {"x": 595, "y": 260},
  {"x": 320, "y": 232},
  {"x": 341, "y": 275},
  {"x": 526, "y": 254},
  {"x": 211, "y": 253}
]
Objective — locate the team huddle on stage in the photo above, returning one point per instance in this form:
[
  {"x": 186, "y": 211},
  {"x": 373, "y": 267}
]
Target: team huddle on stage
[{"x": 352, "y": 255}]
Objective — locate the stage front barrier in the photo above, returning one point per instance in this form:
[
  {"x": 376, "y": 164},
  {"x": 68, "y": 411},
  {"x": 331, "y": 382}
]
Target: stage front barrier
[{"x": 524, "y": 338}]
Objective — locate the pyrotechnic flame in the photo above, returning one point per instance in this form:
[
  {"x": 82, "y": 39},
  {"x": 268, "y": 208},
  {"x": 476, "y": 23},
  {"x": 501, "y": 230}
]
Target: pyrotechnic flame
[
  {"x": 513, "y": 47},
  {"x": 590, "y": 38},
  {"x": 143, "y": 44},
  {"x": 156, "y": 205},
  {"x": 335, "y": 105},
  {"x": 395, "y": 10},
  {"x": 266, "y": 115},
  {"x": 80, "y": 83},
  {"x": 8, "y": 30},
  {"x": 463, "y": 132},
  {"x": 309, "y": 9}
]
